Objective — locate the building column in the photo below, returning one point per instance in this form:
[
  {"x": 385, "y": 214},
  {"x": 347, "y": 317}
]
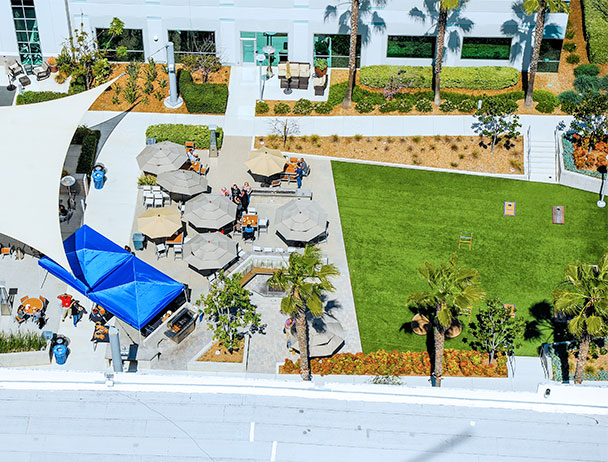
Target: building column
[
  {"x": 228, "y": 42},
  {"x": 154, "y": 27},
  {"x": 300, "y": 43},
  {"x": 374, "y": 52}
]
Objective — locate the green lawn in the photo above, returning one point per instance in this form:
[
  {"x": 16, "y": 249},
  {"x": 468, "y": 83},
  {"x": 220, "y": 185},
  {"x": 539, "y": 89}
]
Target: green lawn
[{"x": 393, "y": 219}]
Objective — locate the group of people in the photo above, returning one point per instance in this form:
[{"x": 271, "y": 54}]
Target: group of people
[
  {"x": 37, "y": 316},
  {"x": 240, "y": 196},
  {"x": 71, "y": 307},
  {"x": 301, "y": 171}
]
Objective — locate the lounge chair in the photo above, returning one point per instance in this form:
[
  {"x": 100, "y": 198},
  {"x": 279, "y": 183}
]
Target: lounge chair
[{"x": 42, "y": 72}]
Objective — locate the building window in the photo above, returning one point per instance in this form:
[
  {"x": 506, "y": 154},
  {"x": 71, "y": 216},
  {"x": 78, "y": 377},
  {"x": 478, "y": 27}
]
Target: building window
[
  {"x": 408, "y": 46},
  {"x": 550, "y": 54},
  {"x": 336, "y": 49},
  {"x": 192, "y": 42},
  {"x": 253, "y": 43},
  {"x": 26, "y": 28},
  {"x": 131, "y": 39},
  {"x": 486, "y": 48}
]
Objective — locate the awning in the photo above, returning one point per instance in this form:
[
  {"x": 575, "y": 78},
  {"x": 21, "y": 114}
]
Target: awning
[{"x": 34, "y": 140}]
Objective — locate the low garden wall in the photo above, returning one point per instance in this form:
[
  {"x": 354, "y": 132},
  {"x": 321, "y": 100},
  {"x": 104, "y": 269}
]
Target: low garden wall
[
  {"x": 181, "y": 133},
  {"x": 27, "y": 358},
  {"x": 212, "y": 366},
  {"x": 569, "y": 175}
]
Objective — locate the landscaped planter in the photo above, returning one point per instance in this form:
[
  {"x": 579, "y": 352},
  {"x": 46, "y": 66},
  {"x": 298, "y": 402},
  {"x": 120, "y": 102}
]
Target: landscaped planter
[
  {"x": 213, "y": 366},
  {"x": 27, "y": 358},
  {"x": 595, "y": 369}
]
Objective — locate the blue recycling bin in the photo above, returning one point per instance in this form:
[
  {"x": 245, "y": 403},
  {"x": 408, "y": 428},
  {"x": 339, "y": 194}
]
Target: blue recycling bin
[
  {"x": 98, "y": 178},
  {"x": 61, "y": 354},
  {"x": 138, "y": 241}
]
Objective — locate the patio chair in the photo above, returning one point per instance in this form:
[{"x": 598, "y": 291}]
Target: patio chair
[
  {"x": 158, "y": 200},
  {"x": 156, "y": 189},
  {"x": 268, "y": 249},
  {"x": 149, "y": 201},
  {"x": 5, "y": 252},
  {"x": 279, "y": 250},
  {"x": 275, "y": 183},
  {"x": 166, "y": 197},
  {"x": 24, "y": 298},
  {"x": 147, "y": 188},
  {"x": 291, "y": 249},
  {"x": 212, "y": 277},
  {"x": 42, "y": 72},
  {"x": 252, "y": 211},
  {"x": 178, "y": 249},
  {"x": 161, "y": 251},
  {"x": 263, "y": 224},
  {"x": 257, "y": 248},
  {"x": 15, "y": 68}
]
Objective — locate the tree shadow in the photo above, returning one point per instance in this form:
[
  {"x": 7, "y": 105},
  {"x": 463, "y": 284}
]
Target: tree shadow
[
  {"x": 545, "y": 326},
  {"x": 366, "y": 26}
]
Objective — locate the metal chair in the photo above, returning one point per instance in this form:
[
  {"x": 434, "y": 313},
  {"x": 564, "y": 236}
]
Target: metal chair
[
  {"x": 257, "y": 248},
  {"x": 149, "y": 201},
  {"x": 268, "y": 250},
  {"x": 178, "y": 249},
  {"x": 158, "y": 199},
  {"x": 263, "y": 224},
  {"x": 161, "y": 250}
]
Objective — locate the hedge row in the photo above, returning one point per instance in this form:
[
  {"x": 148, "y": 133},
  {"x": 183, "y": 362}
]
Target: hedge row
[
  {"x": 181, "y": 133},
  {"x": 86, "y": 160},
  {"x": 29, "y": 97},
  {"x": 596, "y": 23},
  {"x": 203, "y": 98},
  {"x": 470, "y": 78}
]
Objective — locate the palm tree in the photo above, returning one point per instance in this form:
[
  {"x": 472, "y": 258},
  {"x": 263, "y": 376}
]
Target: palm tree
[
  {"x": 352, "y": 53},
  {"x": 445, "y": 6},
  {"x": 452, "y": 289},
  {"x": 583, "y": 297},
  {"x": 540, "y": 7},
  {"x": 304, "y": 280}
]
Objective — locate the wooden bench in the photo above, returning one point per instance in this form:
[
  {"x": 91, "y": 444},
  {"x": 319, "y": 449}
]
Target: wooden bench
[{"x": 254, "y": 272}]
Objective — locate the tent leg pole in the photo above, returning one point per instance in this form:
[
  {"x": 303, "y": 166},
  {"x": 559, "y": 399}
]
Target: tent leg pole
[{"x": 46, "y": 273}]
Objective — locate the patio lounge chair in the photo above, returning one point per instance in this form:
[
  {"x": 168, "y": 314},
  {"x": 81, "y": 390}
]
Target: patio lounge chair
[
  {"x": 42, "y": 72},
  {"x": 319, "y": 84},
  {"x": 15, "y": 68}
]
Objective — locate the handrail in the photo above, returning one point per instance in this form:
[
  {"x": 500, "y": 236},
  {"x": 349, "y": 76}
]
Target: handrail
[
  {"x": 529, "y": 151},
  {"x": 559, "y": 153}
]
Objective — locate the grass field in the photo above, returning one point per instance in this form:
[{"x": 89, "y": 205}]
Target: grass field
[{"x": 393, "y": 219}]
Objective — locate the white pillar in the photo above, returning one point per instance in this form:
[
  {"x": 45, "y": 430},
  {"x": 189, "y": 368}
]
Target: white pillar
[
  {"x": 154, "y": 27},
  {"x": 300, "y": 43},
  {"x": 228, "y": 43}
]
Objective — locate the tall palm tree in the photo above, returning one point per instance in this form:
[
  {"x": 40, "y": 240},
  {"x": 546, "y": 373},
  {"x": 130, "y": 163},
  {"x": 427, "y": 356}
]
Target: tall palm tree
[
  {"x": 304, "y": 280},
  {"x": 452, "y": 289},
  {"x": 583, "y": 297},
  {"x": 352, "y": 53},
  {"x": 445, "y": 6},
  {"x": 540, "y": 7}
]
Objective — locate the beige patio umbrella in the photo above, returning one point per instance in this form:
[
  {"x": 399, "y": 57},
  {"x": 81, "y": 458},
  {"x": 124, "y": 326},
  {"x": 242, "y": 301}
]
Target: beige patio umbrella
[
  {"x": 265, "y": 162},
  {"x": 210, "y": 251},
  {"x": 210, "y": 211},
  {"x": 159, "y": 222},
  {"x": 185, "y": 182},
  {"x": 301, "y": 220},
  {"x": 162, "y": 157},
  {"x": 325, "y": 336}
]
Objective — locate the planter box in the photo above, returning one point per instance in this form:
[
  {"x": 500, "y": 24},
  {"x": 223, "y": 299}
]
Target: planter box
[
  {"x": 212, "y": 366},
  {"x": 27, "y": 358}
]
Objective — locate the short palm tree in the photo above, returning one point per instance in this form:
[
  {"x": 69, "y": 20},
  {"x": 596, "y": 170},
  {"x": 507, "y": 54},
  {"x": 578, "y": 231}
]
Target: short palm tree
[
  {"x": 445, "y": 6},
  {"x": 452, "y": 289},
  {"x": 583, "y": 297},
  {"x": 305, "y": 281},
  {"x": 541, "y": 8},
  {"x": 352, "y": 53}
]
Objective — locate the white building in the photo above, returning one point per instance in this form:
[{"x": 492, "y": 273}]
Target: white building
[{"x": 482, "y": 32}]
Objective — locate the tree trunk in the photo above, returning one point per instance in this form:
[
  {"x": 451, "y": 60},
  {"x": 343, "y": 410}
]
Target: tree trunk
[
  {"x": 582, "y": 358},
  {"x": 538, "y": 38},
  {"x": 302, "y": 333},
  {"x": 352, "y": 57},
  {"x": 439, "y": 336},
  {"x": 439, "y": 43},
  {"x": 493, "y": 144},
  {"x": 491, "y": 358}
]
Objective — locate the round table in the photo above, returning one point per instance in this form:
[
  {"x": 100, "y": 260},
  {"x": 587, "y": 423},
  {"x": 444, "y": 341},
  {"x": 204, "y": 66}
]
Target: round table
[
  {"x": 420, "y": 324},
  {"x": 35, "y": 304}
]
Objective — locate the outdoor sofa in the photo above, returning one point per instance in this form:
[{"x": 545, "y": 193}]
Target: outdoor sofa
[{"x": 300, "y": 74}]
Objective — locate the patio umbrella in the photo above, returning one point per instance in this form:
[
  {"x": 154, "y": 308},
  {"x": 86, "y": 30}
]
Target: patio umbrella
[
  {"x": 184, "y": 182},
  {"x": 210, "y": 251},
  {"x": 301, "y": 220},
  {"x": 210, "y": 211},
  {"x": 265, "y": 162},
  {"x": 324, "y": 336},
  {"x": 159, "y": 222},
  {"x": 162, "y": 157}
]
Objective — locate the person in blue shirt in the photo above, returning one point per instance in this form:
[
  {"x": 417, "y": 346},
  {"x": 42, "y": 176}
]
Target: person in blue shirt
[{"x": 299, "y": 175}]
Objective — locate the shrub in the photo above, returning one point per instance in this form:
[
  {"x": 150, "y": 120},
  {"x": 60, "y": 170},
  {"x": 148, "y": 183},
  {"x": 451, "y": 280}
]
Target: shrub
[
  {"x": 545, "y": 96},
  {"x": 336, "y": 93},
  {"x": 596, "y": 24},
  {"x": 88, "y": 151},
  {"x": 474, "y": 78},
  {"x": 570, "y": 46},
  {"x": 131, "y": 92},
  {"x": 570, "y": 100},
  {"x": 604, "y": 83},
  {"x": 570, "y": 34},
  {"x": 180, "y": 133},
  {"x": 364, "y": 107},
  {"x": 30, "y": 97},
  {"x": 573, "y": 59},
  {"x": 467, "y": 105},
  {"x": 303, "y": 106},
  {"x": 314, "y": 138},
  {"x": 404, "y": 105},
  {"x": 447, "y": 106},
  {"x": 546, "y": 107},
  {"x": 21, "y": 341},
  {"x": 148, "y": 88},
  {"x": 203, "y": 98},
  {"x": 261, "y": 107},
  {"x": 323, "y": 108},
  {"x": 281, "y": 108},
  {"x": 147, "y": 180},
  {"x": 587, "y": 83},
  {"x": 586, "y": 69},
  {"x": 424, "y": 105},
  {"x": 389, "y": 106},
  {"x": 357, "y": 137}
]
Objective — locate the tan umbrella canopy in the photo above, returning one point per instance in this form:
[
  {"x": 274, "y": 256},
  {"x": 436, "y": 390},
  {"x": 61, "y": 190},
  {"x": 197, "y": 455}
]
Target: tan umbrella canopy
[
  {"x": 325, "y": 336},
  {"x": 265, "y": 162},
  {"x": 210, "y": 211},
  {"x": 159, "y": 222},
  {"x": 184, "y": 182},
  {"x": 162, "y": 157},
  {"x": 210, "y": 251},
  {"x": 301, "y": 220}
]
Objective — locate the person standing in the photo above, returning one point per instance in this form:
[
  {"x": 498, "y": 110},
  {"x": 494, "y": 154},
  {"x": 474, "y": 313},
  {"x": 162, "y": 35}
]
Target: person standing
[
  {"x": 235, "y": 193},
  {"x": 76, "y": 311},
  {"x": 244, "y": 200},
  {"x": 66, "y": 302},
  {"x": 299, "y": 175}
]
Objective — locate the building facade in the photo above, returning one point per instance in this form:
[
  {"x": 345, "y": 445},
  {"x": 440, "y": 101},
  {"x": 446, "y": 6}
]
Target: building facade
[{"x": 481, "y": 32}]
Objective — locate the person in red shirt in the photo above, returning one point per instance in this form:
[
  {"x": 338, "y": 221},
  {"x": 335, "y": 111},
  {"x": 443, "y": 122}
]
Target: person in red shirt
[{"x": 66, "y": 301}]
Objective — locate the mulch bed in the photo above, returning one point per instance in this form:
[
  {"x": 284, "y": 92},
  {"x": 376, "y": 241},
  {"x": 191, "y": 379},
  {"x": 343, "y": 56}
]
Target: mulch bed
[{"x": 225, "y": 356}]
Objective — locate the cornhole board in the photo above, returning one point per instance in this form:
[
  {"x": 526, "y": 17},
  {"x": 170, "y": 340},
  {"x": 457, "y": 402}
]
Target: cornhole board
[
  {"x": 558, "y": 215},
  {"x": 509, "y": 209},
  {"x": 510, "y": 308}
]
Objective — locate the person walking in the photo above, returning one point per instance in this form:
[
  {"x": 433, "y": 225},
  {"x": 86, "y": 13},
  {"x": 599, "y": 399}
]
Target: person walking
[
  {"x": 76, "y": 311},
  {"x": 299, "y": 175},
  {"x": 66, "y": 302}
]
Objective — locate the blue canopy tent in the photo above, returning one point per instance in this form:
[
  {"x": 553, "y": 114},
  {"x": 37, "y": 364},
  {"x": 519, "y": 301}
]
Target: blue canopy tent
[{"x": 107, "y": 274}]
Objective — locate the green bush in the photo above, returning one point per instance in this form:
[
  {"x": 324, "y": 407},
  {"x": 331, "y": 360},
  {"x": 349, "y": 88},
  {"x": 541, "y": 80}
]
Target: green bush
[
  {"x": 404, "y": 105},
  {"x": 181, "y": 133},
  {"x": 473, "y": 78},
  {"x": 203, "y": 98},
  {"x": 467, "y": 105},
  {"x": 447, "y": 106},
  {"x": 570, "y": 100},
  {"x": 88, "y": 152},
  {"x": 336, "y": 93},
  {"x": 388, "y": 106},
  {"x": 323, "y": 108},
  {"x": 545, "y": 107},
  {"x": 604, "y": 83},
  {"x": 79, "y": 134},
  {"x": 587, "y": 83},
  {"x": 570, "y": 46},
  {"x": 573, "y": 59},
  {"x": 570, "y": 34},
  {"x": 261, "y": 107},
  {"x": 303, "y": 106},
  {"x": 596, "y": 24},
  {"x": 30, "y": 97},
  {"x": 424, "y": 105},
  {"x": 281, "y": 108},
  {"x": 586, "y": 69},
  {"x": 20, "y": 342},
  {"x": 545, "y": 96},
  {"x": 364, "y": 106}
]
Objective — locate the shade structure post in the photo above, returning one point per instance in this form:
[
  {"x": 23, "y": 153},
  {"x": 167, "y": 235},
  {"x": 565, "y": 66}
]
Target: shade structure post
[
  {"x": 173, "y": 101},
  {"x": 115, "y": 348}
]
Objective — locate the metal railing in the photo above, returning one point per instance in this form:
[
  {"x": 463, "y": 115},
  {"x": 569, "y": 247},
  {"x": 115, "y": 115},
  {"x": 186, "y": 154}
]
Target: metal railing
[
  {"x": 528, "y": 151},
  {"x": 559, "y": 154}
]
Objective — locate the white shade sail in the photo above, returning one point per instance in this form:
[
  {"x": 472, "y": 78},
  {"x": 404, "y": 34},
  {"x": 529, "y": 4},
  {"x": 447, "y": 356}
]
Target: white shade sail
[{"x": 34, "y": 140}]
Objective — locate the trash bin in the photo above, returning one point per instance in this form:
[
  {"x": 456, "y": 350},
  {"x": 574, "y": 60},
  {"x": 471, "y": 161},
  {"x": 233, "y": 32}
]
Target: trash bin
[
  {"x": 61, "y": 354},
  {"x": 138, "y": 241},
  {"x": 98, "y": 178}
]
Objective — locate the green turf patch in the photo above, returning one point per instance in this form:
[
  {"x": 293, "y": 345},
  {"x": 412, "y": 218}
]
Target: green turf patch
[{"x": 393, "y": 219}]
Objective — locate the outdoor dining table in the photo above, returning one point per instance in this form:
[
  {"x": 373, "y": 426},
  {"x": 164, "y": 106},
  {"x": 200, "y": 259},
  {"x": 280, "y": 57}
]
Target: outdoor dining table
[
  {"x": 31, "y": 305},
  {"x": 249, "y": 221}
]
